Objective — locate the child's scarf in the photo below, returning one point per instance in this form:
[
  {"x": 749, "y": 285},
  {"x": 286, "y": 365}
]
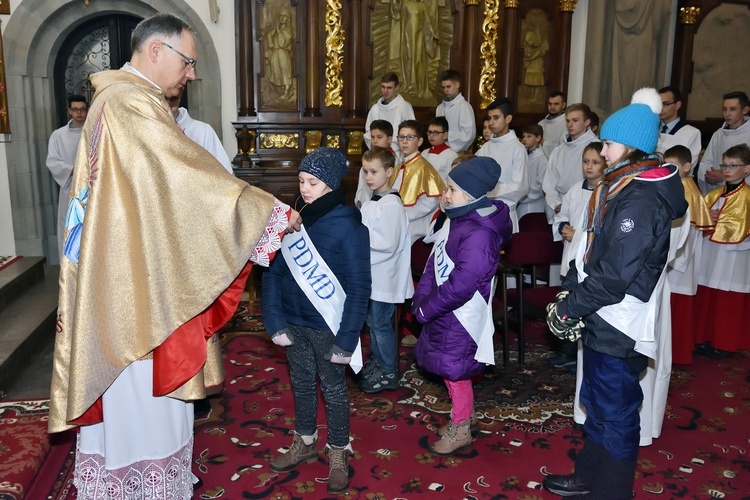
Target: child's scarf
[{"x": 622, "y": 174}]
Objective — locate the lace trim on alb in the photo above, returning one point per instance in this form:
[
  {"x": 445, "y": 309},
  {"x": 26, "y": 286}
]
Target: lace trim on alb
[{"x": 165, "y": 478}]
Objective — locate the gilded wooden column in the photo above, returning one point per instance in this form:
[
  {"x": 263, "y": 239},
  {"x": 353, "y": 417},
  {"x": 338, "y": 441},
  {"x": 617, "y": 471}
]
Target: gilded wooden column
[
  {"x": 508, "y": 61},
  {"x": 312, "y": 61},
  {"x": 244, "y": 51},
  {"x": 682, "y": 66},
  {"x": 488, "y": 53},
  {"x": 470, "y": 47},
  {"x": 356, "y": 96},
  {"x": 561, "y": 71}
]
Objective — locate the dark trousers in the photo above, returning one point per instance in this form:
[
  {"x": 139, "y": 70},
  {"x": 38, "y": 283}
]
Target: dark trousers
[
  {"x": 611, "y": 394},
  {"x": 306, "y": 364}
]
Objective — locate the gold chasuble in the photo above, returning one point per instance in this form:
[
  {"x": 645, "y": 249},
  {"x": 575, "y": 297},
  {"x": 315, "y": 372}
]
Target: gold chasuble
[
  {"x": 700, "y": 216},
  {"x": 419, "y": 178},
  {"x": 158, "y": 236},
  {"x": 733, "y": 225}
]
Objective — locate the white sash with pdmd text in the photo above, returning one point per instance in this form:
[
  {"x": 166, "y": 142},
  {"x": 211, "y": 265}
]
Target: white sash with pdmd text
[
  {"x": 631, "y": 316},
  {"x": 475, "y": 315},
  {"x": 320, "y": 285}
]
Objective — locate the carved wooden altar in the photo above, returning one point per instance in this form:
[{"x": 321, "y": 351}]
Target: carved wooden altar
[{"x": 308, "y": 72}]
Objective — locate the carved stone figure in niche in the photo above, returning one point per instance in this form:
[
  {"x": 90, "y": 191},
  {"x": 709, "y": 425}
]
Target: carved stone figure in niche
[
  {"x": 418, "y": 42},
  {"x": 720, "y": 57},
  {"x": 412, "y": 39},
  {"x": 626, "y": 49},
  {"x": 535, "y": 44},
  {"x": 278, "y": 31}
]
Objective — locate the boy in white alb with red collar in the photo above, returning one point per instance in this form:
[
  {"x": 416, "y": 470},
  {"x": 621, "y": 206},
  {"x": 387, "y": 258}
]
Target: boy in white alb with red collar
[{"x": 440, "y": 155}]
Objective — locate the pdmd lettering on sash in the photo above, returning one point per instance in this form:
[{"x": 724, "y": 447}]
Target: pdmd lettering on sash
[
  {"x": 320, "y": 285},
  {"x": 441, "y": 266},
  {"x": 305, "y": 260},
  {"x": 476, "y": 314}
]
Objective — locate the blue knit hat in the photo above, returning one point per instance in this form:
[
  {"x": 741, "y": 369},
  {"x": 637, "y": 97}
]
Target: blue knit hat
[
  {"x": 476, "y": 177},
  {"x": 327, "y": 164},
  {"x": 636, "y": 125}
]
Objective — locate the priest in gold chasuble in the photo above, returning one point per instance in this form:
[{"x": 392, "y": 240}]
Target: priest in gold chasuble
[{"x": 159, "y": 240}]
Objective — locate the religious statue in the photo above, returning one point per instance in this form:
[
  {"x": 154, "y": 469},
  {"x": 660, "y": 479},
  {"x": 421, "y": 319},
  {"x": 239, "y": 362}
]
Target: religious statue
[
  {"x": 534, "y": 32},
  {"x": 419, "y": 42},
  {"x": 411, "y": 38},
  {"x": 278, "y": 34}
]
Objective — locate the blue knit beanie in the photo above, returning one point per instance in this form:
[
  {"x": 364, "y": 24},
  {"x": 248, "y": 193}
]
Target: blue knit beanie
[
  {"x": 476, "y": 177},
  {"x": 636, "y": 125},
  {"x": 327, "y": 164}
]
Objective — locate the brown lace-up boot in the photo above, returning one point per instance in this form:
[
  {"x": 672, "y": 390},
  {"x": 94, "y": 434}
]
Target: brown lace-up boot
[
  {"x": 338, "y": 476},
  {"x": 473, "y": 425},
  {"x": 456, "y": 438},
  {"x": 299, "y": 452}
]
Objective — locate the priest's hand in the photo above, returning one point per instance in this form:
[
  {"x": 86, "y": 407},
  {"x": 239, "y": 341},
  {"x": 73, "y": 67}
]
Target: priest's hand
[{"x": 295, "y": 222}]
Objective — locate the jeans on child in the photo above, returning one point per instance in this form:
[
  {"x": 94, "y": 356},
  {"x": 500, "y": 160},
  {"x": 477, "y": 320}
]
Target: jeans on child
[
  {"x": 306, "y": 364},
  {"x": 382, "y": 336}
]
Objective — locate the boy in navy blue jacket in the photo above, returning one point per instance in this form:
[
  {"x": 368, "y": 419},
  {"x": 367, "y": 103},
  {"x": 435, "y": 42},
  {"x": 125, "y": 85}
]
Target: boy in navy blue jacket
[{"x": 314, "y": 304}]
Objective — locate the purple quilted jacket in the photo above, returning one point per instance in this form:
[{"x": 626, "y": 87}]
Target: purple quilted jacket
[{"x": 445, "y": 347}]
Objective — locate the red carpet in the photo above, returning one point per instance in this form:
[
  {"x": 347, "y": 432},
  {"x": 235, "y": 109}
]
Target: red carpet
[
  {"x": 23, "y": 445},
  {"x": 525, "y": 431}
]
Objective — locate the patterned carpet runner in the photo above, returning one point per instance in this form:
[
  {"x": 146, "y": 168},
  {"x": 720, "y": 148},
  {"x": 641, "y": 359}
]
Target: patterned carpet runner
[{"x": 525, "y": 432}]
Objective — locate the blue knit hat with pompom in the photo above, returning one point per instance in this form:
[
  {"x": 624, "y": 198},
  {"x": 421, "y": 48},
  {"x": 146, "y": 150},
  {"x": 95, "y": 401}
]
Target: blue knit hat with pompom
[{"x": 636, "y": 125}]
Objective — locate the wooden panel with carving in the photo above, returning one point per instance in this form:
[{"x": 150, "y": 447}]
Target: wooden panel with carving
[{"x": 284, "y": 45}]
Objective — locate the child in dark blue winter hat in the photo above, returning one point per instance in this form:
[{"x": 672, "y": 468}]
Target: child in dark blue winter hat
[{"x": 314, "y": 304}]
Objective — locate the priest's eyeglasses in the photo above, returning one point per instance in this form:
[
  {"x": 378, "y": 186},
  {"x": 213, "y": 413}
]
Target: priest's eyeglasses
[
  {"x": 189, "y": 62},
  {"x": 731, "y": 166}
]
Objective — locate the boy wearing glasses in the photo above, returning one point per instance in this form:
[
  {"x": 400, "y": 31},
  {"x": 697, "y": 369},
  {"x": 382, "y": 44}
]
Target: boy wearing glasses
[
  {"x": 723, "y": 295},
  {"x": 440, "y": 155},
  {"x": 61, "y": 154},
  {"x": 416, "y": 181}
]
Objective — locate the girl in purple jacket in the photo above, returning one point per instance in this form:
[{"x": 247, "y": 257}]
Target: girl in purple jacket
[{"x": 453, "y": 297}]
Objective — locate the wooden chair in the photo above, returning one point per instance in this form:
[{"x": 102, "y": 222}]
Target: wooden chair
[{"x": 527, "y": 252}]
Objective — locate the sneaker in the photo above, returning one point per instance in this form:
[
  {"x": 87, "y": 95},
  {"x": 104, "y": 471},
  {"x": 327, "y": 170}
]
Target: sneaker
[
  {"x": 299, "y": 452},
  {"x": 380, "y": 382},
  {"x": 371, "y": 366},
  {"x": 565, "y": 486},
  {"x": 561, "y": 361},
  {"x": 409, "y": 341}
]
